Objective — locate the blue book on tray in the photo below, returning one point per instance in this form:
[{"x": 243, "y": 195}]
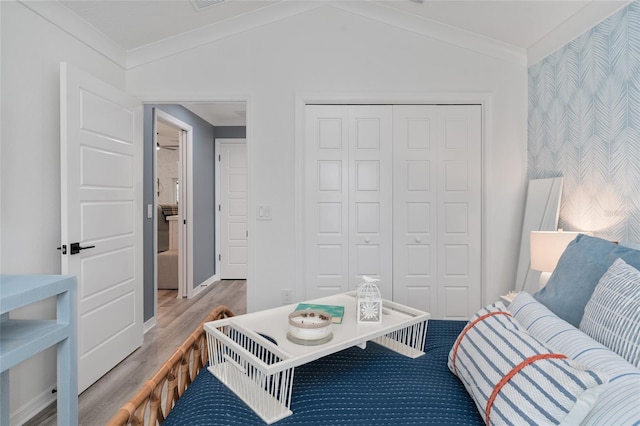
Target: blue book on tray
[{"x": 336, "y": 312}]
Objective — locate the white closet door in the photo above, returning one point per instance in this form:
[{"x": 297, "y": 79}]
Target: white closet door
[
  {"x": 326, "y": 200},
  {"x": 437, "y": 208},
  {"x": 370, "y": 195},
  {"x": 415, "y": 224},
  {"x": 348, "y": 197},
  {"x": 459, "y": 211}
]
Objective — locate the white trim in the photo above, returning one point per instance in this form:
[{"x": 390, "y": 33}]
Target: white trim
[
  {"x": 150, "y": 324},
  {"x": 60, "y": 16},
  {"x": 281, "y": 10},
  {"x": 206, "y": 283},
  {"x": 217, "y": 31},
  {"x": 485, "y": 99},
  {"x": 154, "y": 126},
  {"x": 435, "y": 30},
  {"x": 35, "y": 405},
  {"x": 185, "y": 256},
  {"x": 586, "y": 18},
  {"x": 63, "y": 18},
  {"x": 216, "y": 202}
]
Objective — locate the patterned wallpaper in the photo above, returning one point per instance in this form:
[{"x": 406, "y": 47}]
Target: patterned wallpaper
[{"x": 584, "y": 124}]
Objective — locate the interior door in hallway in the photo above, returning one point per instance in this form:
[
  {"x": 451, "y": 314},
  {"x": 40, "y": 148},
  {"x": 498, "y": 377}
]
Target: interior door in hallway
[
  {"x": 101, "y": 229},
  {"x": 232, "y": 208},
  {"x": 437, "y": 208}
]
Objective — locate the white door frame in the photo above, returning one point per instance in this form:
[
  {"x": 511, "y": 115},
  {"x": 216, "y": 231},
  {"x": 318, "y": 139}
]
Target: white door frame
[
  {"x": 219, "y": 250},
  {"x": 209, "y": 98},
  {"x": 485, "y": 99},
  {"x": 185, "y": 212}
]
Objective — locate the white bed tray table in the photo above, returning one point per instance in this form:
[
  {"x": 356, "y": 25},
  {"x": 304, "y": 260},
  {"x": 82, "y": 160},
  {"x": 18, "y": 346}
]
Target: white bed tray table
[{"x": 243, "y": 355}]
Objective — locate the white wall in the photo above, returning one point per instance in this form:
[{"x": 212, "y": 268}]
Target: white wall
[
  {"x": 32, "y": 49},
  {"x": 321, "y": 51},
  {"x": 332, "y": 51}
]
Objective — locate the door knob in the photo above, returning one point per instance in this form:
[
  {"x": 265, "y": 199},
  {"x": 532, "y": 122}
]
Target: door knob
[
  {"x": 418, "y": 239},
  {"x": 367, "y": 240},
  {"x": 75, "y": 248}
]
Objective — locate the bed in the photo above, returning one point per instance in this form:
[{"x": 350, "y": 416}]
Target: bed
[{"x": 475, "y": 372}]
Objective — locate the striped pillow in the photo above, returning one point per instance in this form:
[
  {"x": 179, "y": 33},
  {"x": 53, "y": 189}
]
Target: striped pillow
[
  {"x": 618, "y": 403},
  {"x": 612, "y": 315},
  {"x": 515, "y": 379}
]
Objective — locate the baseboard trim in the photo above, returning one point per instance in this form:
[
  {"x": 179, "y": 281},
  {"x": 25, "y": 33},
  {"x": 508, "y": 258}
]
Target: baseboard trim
[
  {"x": 149, "y": 324},
  {"x": 32, "y": 408},
  {"x": 206, "y": 283}
]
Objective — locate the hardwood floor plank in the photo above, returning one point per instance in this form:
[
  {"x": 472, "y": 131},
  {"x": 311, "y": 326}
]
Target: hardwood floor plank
[{"x": 176, "y": 319}]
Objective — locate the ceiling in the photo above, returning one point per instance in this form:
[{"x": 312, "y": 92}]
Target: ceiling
[
  {"x": 132, "y": 24},
  {"x": 143, "y": 28}
]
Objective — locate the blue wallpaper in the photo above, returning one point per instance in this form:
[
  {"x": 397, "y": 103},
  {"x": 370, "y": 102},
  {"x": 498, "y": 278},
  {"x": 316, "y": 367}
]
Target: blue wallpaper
[{"x": 584, "y": 124}]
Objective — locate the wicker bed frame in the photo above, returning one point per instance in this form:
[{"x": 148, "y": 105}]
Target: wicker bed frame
[{"x": 170, "y": 381}]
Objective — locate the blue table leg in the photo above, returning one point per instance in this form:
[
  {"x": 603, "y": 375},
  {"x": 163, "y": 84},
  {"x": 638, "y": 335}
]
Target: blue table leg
[{"x": 67, "y": 362}]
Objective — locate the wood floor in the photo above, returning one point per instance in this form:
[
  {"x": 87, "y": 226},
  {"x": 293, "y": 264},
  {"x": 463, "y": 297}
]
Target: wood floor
[{"x": 176, "y": 319}]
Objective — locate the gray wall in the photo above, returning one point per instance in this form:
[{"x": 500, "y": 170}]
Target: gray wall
[
  {"x": 203, "y": 199},
  {"x": 231, "y": 132}
]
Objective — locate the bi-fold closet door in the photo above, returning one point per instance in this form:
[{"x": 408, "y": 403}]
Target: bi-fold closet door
[
  {"x": 348, "y": 197},
  {"x": 395, "y": 192}
]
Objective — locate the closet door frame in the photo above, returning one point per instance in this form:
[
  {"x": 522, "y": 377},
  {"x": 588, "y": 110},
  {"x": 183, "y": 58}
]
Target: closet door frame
[{"x": 484, "y": 99}]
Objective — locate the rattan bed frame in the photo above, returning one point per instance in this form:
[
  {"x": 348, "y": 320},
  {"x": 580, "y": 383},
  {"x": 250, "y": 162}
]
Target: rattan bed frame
[{"x": 170, "y": 381}]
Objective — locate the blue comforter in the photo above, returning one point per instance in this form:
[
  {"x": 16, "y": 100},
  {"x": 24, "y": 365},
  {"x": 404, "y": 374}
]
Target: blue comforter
[{"x": 374, "y": 386}]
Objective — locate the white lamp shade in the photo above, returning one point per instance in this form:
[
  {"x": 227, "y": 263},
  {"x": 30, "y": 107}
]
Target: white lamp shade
[{"x": 547, "y": 247}]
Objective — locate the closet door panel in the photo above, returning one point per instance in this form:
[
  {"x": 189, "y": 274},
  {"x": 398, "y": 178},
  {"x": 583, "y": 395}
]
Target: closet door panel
[
  {"x": 370, "y": 195},
  {"x": 326, "y": 200},
  {"x": 414, "y": 217},
  {"x": 459, "y": 210}
]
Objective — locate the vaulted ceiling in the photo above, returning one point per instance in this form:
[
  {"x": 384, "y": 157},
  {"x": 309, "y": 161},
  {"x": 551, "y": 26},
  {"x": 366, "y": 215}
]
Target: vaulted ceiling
[
  {"x": 134, "y": 32},
  {"x": 137, "y": 26}
]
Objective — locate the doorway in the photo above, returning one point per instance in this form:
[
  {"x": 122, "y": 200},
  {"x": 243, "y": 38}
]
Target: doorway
[
  {"x": 208, "y": 121},
  {"x": 173, "y": 204}
]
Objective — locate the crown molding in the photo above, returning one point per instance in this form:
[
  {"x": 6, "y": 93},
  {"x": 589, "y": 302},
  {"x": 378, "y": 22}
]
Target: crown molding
[
  {"x": 60, "y": 16},
  {"x": 435, "y": 30},
  {"x": 217, "y": 31},
  {"x": 56, "y": 13},
  {"x": 586, "y": 18},
  {"x": 285, "y": 9}
]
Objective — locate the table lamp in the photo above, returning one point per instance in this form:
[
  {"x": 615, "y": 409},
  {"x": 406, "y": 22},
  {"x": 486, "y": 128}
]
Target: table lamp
[{"x": 546, "y": 249}]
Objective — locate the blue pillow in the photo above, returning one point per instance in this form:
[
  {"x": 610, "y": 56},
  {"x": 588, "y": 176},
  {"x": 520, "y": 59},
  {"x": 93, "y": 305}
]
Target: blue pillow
[{"x": 583, "y": 263}]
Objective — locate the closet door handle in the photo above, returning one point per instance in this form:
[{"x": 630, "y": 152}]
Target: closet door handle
[
  {"x": 367, "y": 240},
  {"x": 418, "y": 239}
]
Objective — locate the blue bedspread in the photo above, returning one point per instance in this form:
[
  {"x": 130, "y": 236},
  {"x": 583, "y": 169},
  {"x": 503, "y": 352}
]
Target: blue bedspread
[{"x": 374, "y": 386}]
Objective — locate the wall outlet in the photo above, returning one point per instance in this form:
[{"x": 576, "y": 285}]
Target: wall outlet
[{"x": 287, "y": 296}]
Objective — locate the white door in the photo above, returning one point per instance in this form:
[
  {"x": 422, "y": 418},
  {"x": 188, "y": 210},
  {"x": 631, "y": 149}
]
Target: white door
[
  {"x": 415, "y": 216},
  {"x": 326, "y": 199},
  {"x": 437, "y": 208},
  {"x": 370, "y": 195},
  {"x": 232, "y": 208},
  {"x": 348, "y": 197},
  {"x": 101, "y": 179}
]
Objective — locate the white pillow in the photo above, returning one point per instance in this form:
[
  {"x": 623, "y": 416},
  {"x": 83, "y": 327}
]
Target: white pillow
[
  {"x": 612, "y": 315},
  {"x": 514, "y": 378},
  {"x": 618, "y": 404}
]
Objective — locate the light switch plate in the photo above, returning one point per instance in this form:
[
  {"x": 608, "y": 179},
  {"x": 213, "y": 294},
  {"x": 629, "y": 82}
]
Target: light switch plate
[{"x": 264, "y": 212}]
